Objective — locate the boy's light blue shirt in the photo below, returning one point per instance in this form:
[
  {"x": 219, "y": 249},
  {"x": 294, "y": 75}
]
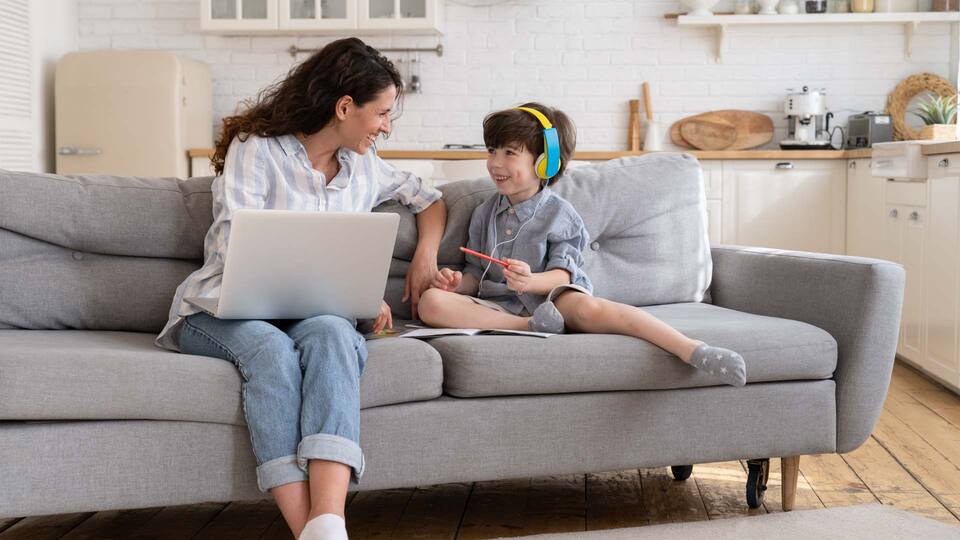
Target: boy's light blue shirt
[{"x": 554, "y": 238}]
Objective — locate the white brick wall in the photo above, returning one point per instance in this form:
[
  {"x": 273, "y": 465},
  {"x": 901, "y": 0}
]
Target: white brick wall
[{"x": 586, "y": 57}]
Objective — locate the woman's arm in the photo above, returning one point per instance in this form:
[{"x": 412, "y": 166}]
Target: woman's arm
[
  {"x": 430, "y": 226},
  {"x": 423, "y": 200}
]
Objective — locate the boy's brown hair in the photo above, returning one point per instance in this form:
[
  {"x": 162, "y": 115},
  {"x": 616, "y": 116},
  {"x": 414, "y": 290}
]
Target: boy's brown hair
[{"x": 515, "y": 127}]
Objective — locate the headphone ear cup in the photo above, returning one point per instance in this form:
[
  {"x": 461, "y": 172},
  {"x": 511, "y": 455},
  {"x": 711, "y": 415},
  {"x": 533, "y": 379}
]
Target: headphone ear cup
[{"x": 540, "y": 166}]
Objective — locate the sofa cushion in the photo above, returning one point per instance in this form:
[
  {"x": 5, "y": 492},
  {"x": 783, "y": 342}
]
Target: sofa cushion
[
  {"x": 110, "y": 215},
  {"x": 46, "y": 286},
  {"x": 774, "y": 350},
  {"x": 71, "y": 375}
]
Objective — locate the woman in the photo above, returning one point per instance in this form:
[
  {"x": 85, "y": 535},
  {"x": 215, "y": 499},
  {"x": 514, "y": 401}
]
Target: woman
[{"x": 304, "y": 145}]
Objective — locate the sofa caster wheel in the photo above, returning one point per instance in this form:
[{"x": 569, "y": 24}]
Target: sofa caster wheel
[
  {"x": 681, "y": 472},
  {"x": 758, "y": 470}
]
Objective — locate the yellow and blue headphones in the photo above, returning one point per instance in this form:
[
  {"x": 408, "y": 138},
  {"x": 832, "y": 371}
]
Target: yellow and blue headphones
[{"x": 548, "y": 163}]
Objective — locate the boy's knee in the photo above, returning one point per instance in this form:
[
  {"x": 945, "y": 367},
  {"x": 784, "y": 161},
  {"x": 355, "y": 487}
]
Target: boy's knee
[
  {"x": 587, "y": 308},
  {"x": 431, "y": 304}
]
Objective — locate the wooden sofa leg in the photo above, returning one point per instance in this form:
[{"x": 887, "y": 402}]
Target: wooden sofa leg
[{"x": 789, "y": 468}]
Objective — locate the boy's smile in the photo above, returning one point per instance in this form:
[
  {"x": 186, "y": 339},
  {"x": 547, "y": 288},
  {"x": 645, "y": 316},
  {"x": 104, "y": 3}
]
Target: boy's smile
[{"x": 511, "y": 169}]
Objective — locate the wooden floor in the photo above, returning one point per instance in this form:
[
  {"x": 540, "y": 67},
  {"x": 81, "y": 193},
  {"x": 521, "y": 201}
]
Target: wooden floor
[{"x": 912, "y": 461}]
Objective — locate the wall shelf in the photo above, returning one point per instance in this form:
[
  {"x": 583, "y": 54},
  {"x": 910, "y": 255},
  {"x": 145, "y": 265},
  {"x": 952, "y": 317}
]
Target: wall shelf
[{"x": 910, "y": 21}]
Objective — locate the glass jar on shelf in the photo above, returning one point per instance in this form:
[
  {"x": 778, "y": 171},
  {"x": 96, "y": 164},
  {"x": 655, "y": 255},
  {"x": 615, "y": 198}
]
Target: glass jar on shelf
[{"x": 743, "y": 7}]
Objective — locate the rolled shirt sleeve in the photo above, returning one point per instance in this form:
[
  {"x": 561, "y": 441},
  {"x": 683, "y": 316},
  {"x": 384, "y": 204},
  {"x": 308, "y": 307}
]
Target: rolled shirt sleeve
[
  {"x": 565, "y": 251},
  {"x": 407, "y": 188}
]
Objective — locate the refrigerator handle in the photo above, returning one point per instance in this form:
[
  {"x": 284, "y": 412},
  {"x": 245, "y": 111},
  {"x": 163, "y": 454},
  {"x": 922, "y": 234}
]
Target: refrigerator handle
[{"x": 74, "y": 151}]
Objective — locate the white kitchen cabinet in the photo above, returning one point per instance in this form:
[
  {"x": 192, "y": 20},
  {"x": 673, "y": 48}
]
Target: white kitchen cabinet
[
  {"x": 796, "y": 205},
  {"x": 317, "y": 14},
  {"x": 240, "y": 15},
  {"x": 399, "y": 14},
  {"x": 941, "y": 272},
  {"x": 865, "y": 211},
  {"x": 904, "y": 242},
  {"x": 332, "y": 16}
]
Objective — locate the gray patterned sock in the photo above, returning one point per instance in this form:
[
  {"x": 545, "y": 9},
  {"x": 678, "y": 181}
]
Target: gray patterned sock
[
  {"x": 723, "y": 364},
  {"x": 546, "y": 318}
]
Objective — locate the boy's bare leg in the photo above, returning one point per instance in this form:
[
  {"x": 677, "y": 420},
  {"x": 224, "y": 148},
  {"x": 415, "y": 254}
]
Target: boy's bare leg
[
  {"x": 444, "y": 309},
  {"x": 585, "y": 313}
]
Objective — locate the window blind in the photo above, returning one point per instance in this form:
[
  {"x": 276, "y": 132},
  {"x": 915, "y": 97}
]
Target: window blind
[{"x": 16, "y": 87}]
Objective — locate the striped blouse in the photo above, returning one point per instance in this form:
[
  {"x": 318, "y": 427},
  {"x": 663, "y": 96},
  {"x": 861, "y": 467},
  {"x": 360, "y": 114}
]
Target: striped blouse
[{"x": 275, "y": 172}]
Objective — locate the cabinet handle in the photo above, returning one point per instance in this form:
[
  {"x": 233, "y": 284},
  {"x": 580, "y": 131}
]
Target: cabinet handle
[
  {"x": 944, "y": 163},
  {"x": 914, "y": 216},
  {"x": 894, "y": 213},
  {"x": 74, "y": 151},
  {"x": 784, "y": 165},
  {"x": 853, "y": 165}
]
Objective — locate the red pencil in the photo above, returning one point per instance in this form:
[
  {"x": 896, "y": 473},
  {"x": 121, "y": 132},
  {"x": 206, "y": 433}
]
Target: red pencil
[{"x": 504, "y": 264}]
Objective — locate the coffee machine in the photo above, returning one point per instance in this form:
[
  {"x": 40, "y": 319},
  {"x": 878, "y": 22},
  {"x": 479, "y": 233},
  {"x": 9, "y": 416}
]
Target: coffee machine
[{"x": 808, "y": 120}]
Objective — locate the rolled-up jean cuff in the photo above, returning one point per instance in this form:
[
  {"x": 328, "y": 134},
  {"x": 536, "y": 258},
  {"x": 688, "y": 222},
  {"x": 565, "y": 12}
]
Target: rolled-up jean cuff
[
  {"x": 331, "y": 448},
  {"x": 276, "y": 472}
]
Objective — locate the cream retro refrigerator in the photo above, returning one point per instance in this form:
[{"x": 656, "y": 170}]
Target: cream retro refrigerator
[{"x": 131, "y": 113}]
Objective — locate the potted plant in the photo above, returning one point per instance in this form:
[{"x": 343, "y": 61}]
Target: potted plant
[{"x": 938, "y": 113}]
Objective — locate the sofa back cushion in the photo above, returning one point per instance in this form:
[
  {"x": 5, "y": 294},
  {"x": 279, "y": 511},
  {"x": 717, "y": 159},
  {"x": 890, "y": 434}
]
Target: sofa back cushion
[
  {"x": 96, "y": 252},
  {"x": 103, "y": 252}
]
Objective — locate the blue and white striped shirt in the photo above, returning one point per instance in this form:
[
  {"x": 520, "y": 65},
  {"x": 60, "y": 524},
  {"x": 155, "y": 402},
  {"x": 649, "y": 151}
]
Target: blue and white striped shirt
[{"x": 275, "y": 172}]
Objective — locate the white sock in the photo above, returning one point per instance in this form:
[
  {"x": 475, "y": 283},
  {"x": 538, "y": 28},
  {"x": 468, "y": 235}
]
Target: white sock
[{"x": 325, "y": 527}]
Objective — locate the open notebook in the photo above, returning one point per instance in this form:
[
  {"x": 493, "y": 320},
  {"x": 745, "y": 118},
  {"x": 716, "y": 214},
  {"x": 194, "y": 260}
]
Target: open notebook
[{"x": 427, "y": 333}]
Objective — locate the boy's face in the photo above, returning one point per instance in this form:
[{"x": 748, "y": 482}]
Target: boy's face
[{"x": 511, "y": 169}]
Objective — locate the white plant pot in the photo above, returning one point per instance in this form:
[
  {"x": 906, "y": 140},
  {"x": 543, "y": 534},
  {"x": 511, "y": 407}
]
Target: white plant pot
[{"x": 700, "y": 8}]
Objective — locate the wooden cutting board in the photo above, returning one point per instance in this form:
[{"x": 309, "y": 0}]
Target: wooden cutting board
[
  {"x": 708, "y": 134},
  {"x": 753, "y": 129}
]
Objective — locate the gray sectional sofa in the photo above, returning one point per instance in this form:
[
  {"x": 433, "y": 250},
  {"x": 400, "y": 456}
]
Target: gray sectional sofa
[{"x": 93, "y": 416}]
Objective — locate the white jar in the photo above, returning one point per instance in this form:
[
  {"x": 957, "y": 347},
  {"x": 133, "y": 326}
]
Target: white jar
[{"x": 788, "y": 7}]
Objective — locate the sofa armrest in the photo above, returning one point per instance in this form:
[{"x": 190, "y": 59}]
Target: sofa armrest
[{"x": 856, "y": 300}]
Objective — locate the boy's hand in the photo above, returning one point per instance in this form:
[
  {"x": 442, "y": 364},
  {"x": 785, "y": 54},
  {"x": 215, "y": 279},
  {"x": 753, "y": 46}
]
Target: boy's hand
[
  {"x": 384, "y": 319},
  {"x": 518, "y": 275},
  {"x": 447, "y": 280}
]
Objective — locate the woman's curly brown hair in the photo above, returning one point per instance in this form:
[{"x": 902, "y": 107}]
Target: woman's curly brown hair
[{"x": 305, "y": 100}]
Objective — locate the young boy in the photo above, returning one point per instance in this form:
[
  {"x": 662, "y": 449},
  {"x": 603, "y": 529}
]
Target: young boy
[{"x": 541, "y": 237}]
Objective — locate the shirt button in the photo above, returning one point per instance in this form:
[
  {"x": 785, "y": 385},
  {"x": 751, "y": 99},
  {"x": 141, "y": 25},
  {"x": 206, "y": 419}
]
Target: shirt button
[
  {"x": 510, "y": 211},
  {"x": 595, "y": 246},
  {"x": 509, "y": 231},
  {"x": 77, "y": 256}
]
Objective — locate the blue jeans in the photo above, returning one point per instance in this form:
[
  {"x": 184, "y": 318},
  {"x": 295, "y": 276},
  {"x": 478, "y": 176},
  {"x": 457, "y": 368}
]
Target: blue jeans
[{"x": 300, "y": 389}]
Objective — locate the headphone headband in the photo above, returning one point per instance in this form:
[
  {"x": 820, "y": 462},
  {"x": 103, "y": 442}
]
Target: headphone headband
[
  {"x": 547, "y": 164},
  {"x": 544, "y": 121}
]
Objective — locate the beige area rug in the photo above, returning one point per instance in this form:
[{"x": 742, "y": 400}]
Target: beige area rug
[{"x": 851, "y": 522}]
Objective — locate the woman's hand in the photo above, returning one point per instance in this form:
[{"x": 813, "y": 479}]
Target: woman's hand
[
  {"x": 384, "y": 319},
  {"x": 447, "y": 279},
  {"x": 419, "y": 276},
  {"x": 519, "y": 277}
]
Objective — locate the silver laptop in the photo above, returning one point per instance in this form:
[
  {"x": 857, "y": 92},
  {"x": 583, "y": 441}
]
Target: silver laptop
[{"x": 293, "y": 265}]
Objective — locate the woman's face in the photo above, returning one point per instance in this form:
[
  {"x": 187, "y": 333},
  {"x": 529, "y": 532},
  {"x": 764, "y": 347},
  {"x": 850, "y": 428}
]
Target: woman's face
[{"x": 362, "y": 125}]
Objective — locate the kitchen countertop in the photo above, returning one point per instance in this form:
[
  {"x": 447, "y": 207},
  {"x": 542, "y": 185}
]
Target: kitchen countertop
[
  {"x": 602, "y": 155},
  {"x": 947, "y": 147}
]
